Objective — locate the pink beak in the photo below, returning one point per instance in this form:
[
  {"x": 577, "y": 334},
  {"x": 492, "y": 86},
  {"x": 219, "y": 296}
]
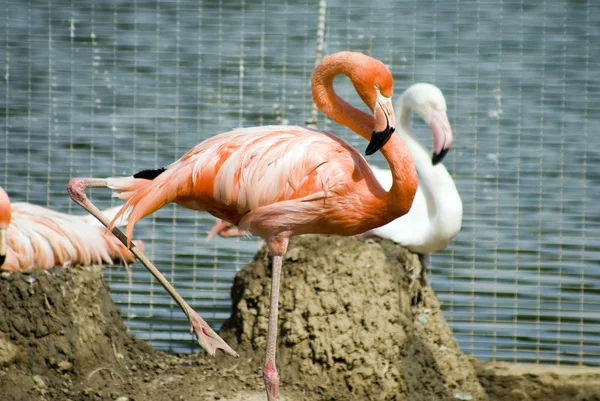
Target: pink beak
[{"x": 442, "y": 135}]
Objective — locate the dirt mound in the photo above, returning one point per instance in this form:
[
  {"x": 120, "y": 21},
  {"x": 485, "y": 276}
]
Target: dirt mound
[
  {"x": 347, "y": 330},
  {"x": 347, "y": 333},
  {"x": 62, "y": 338},
  {"x": 60, "y": 325}
]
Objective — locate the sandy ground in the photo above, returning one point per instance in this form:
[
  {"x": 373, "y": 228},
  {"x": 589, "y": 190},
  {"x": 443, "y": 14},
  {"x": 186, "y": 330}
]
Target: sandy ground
[
  {"x": 525, "y": 382},
  {"x": 348, "y": 332}
]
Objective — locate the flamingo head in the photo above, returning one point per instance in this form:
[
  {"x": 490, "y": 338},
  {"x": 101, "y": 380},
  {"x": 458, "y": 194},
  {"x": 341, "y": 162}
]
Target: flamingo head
[
  {"x": 375, "y": 86},
  {"x": 385, "y": 123},
  {"x": 428, "y": 101},
  {"x": 5, "y": 216}
]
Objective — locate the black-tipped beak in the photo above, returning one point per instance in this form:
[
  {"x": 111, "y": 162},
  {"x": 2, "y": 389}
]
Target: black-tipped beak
[
  {"x": 378, "y": 139},
  {"x": 438, "y": 157},
  {"x": 2, "y": 259},
  {"x": 384, "y": 124}
]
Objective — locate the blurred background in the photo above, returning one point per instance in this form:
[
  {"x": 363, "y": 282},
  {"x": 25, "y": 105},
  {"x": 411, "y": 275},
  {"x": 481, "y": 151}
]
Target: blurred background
[{"x": 104, "y": 88}]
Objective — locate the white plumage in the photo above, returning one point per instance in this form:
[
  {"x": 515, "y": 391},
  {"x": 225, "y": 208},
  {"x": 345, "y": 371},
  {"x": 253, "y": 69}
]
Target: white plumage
[{"x": 436, "y": 213}]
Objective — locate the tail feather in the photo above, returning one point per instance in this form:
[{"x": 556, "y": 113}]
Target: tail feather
[
  {"x": 130, "y": 189},
  {"x": 143, "y": 196},
  {"x": 117, "y": 252}
]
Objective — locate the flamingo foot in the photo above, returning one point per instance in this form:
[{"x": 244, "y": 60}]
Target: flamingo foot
[
  {"x": 207, "y": 337},
  {"x": 271, "y": 378}
]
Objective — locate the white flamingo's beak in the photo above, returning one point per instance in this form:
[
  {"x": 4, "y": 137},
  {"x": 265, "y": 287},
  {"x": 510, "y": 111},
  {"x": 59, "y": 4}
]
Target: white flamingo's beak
[
  {"x": 385, "y": 124},
  {"x": 442, "y": 134},
  {"x": 3, "y": 249}
]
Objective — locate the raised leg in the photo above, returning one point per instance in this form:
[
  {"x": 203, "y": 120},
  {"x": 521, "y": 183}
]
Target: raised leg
[{"x": 207, "y": 338}]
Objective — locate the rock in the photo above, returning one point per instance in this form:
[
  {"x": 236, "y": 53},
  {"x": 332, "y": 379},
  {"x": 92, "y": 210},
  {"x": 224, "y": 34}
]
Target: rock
[
  {"x": 346, "y": 328},
  {"x": 64, "y": 366},
  {"x": 8, "y": 350},
  {"x": 39, "y": 381}
]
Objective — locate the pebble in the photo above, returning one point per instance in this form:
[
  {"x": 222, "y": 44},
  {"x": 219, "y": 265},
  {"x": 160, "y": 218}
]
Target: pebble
[
  {"x": 64, "y": 366},
  {"x": 422, "y": 318},
  {"x": 39, "y": 381}
]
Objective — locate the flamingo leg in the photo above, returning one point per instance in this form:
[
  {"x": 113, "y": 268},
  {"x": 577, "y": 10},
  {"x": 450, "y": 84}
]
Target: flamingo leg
[
  {"x": 207, "y": 338},
  {"x": 270, "y": 374},
  {"x": 420, "y": 275},
  {"x": 424, "y": 262}
]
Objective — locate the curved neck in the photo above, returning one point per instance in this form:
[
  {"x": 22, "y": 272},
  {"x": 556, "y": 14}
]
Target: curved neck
[
  {"x": 421, "y": 158},
  {"x": 331, "y": 104},
  {"x": 404, "y": 175},
  {"x": 358, "y": 67},
  {"x": 405, "y": 112},
  {"x": 431, "y": 178}
]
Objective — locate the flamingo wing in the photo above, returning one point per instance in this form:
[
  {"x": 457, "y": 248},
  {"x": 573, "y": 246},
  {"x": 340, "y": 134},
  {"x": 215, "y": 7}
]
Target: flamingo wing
[{"x": 234, "y": 173}]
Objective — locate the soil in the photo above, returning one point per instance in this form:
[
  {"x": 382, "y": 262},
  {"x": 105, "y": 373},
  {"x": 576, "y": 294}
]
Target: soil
[
  {"x": 526, "y": 382},
  {"x": 62, "y": 338},
  {"x": 348, "y": 332}
]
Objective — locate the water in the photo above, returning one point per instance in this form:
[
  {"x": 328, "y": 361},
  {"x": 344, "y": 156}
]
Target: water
[{"x": 110, "y": 88}]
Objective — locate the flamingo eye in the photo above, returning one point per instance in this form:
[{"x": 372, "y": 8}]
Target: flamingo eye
[{"x": 377, "y": 88}]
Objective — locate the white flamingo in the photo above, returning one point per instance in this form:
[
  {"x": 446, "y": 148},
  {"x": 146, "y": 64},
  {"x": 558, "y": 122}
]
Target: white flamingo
[{"x": 436, "y": 213}]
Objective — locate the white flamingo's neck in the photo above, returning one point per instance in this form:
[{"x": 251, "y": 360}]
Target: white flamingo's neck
[
  {"x": 434, "y": 181},
  {"x": 420, "y": 156}
]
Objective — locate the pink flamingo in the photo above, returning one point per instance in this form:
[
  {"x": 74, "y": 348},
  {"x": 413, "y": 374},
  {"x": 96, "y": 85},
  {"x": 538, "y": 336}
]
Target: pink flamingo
[
  {"x": 36, "y": 237},
  {"x": 435, "y": 216},
  {"x": 280, "y": 181}
]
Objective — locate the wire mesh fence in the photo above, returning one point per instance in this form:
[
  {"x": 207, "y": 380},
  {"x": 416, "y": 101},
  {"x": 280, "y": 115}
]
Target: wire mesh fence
[{"x": 106, "y": 88}]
